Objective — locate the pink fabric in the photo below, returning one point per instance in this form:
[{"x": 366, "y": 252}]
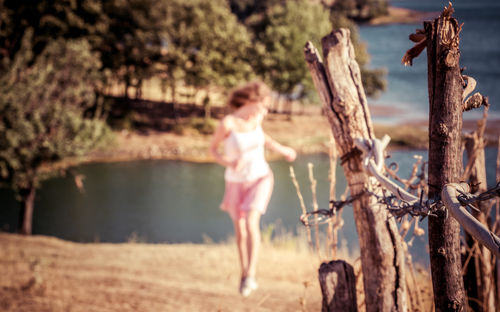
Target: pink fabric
[{"x": 242, "y": 197}]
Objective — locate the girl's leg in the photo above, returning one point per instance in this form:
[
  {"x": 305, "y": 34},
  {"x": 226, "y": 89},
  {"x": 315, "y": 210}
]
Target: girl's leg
[
  {"x": 240, "y": 231},
  {"x": 253, "y": 241}
]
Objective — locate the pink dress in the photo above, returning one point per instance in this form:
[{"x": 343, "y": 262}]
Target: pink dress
[{"x": 249, "y": 186}]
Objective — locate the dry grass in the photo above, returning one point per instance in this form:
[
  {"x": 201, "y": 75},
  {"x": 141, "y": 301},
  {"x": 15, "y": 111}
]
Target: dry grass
[
  {"x": 48, "y": 274},
  {"x": 404, "y": 136}
]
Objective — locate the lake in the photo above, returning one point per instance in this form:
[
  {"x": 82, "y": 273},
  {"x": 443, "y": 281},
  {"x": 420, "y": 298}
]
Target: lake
[
  {"x": 407, "y": 86},
  {"x": 178, "y": 202}
]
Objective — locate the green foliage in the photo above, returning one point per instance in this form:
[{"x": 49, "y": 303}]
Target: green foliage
[
  {"x": 361, "y": 10},
  {"x": 130, "y": 45},
  {"x": 197, "y": 43},
  {"x": 127, "y": 33},
  {"x": 246, "y": 8},
  {"x": 48, "y": 20},
  {"x": 280, "y": 47},
  {"x": 206, "y": 44},
  {"x": 42, "y": 109},
  {"x": 281, "y": 32}
]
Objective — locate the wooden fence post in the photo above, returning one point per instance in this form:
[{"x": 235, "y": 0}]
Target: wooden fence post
[
  {"x": 478, "y": 277},
  {"x": 338, "y": 83},
  {"x": 445, "y": 158},
  {"x": 338, "y": 286},
  {"x": 496, "y": 263}
]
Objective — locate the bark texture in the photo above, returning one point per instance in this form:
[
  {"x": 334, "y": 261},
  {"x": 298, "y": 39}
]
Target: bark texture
[
  {"x": 338, "y": 83},
  {"x": 478, "y": 278},
  {"x": 445, "y": 161},
  {"x": 338, "y": 286}
]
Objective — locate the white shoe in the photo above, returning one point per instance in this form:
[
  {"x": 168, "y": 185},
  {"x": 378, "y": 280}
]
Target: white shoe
[{"x": 248, "y": 284}]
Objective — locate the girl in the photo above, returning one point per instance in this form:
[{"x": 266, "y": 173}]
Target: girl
[{"x": 249, "y": 180}]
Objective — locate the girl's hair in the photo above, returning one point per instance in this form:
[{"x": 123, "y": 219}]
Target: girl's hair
[{"x": 251, "y": 92}]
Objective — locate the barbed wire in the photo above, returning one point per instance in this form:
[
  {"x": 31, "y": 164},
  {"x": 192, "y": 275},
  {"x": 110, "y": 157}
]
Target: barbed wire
[
  {"x": 322, "y": 216},
  {"x": 398, "y": 200},
  {"x": 400, "y": 208},
  {"x": 401, "y": 202},
  {"x": 432, "y": 207},
  {"x": 467, "y": 199}
]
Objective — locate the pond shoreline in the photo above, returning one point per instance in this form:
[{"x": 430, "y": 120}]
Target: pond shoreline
[
  {"x": 397, "y": 15},
  {"x": 308, "y": 134}
]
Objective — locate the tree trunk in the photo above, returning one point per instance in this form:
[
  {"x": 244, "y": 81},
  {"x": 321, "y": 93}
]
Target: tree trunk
[
  {"x": 338, "y": 287},
  {"x": 138, "y": 90},
  {"x": 127, "y": 86},
  {"x": 207, "y": 106},
  {"x": 339, "y": 85},
  {"x": 26, "y": 215},
  {"x": 479, "y": 283},
  {"x": 445, "y": 161},
  {"x": 496, "y": 262},
  {"x": 175, "y": 105}
]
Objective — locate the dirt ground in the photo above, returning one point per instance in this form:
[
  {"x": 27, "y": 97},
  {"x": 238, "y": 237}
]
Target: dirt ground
[{"x": 41, "y": 273}]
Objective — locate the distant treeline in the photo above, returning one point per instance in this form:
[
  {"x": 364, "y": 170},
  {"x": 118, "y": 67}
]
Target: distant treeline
[{"x": 197, "y": 43}]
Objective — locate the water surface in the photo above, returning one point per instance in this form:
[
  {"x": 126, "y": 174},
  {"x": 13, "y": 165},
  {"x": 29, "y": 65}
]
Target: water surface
[
  {"x": 407, "y": 86},
  {"x": 178, "y": 202}
]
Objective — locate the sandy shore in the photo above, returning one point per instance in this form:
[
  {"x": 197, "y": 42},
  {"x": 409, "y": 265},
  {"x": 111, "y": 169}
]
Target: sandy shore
[
  {"x": 403, "y": 16},
  {"x": 308, "y": 134}
]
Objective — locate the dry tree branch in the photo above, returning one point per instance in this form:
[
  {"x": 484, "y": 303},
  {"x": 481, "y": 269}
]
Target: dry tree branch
[
  {"x": 315, "y": 205},
  {"x": 301, "y": 199}
]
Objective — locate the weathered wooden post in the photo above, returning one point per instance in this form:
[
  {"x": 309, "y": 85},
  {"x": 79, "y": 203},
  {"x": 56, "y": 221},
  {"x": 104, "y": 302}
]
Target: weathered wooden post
[
  {"x": 478, "y": 278},
  {"x": 448, "y": 92},
  {"x": 338, "y": 83},
  {"x": 446, "y": 85},
  {"x": 338, "y": 286},
  {"x": 496, "y": 263}
]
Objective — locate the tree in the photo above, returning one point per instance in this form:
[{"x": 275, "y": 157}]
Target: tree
[
  {"x": 280, "y": 35},
  {"x": 205, "y": 40},
  {"x": 244, "y": 9},
  {"x": 284, "y": 31},
  {"x": 47, "y": 20},
  {"x": 127, "y": 33},
  {"x": 361, "y": 10},
  {"x": 42, "y": 109},
  {"x": 130, "y": 45}
]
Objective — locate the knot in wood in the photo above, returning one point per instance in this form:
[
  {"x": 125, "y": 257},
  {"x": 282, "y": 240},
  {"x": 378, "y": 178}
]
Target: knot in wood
[
  {"x": 455, "y": 305},
  {"x": 451, "y": 57},
  {"x": 354, "y": 152},
  {"x": 442, "y": 251},
  {"x": 354, "y": 166},
  {"x": 442, "y": 130}
]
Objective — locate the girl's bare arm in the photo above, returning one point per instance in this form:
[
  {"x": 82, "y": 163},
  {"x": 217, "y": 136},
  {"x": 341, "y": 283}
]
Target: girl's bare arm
[{"x": 288, "y": 152}]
